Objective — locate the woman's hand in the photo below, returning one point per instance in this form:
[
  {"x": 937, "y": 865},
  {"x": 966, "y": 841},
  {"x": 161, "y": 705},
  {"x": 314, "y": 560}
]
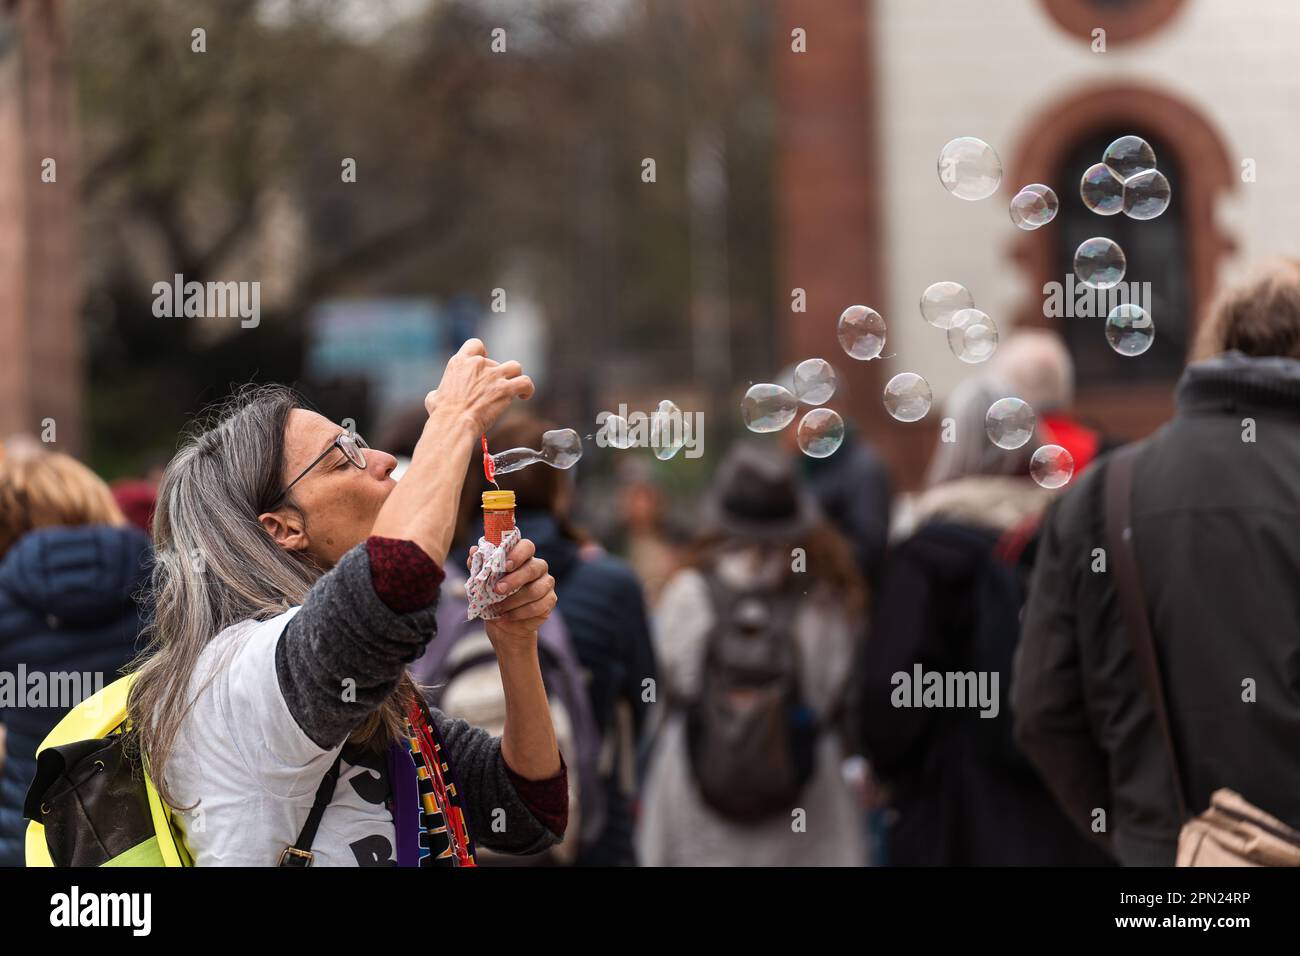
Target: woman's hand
[
  {"x": 522, "y": 613},
  {"x": 476, "y": 389}
]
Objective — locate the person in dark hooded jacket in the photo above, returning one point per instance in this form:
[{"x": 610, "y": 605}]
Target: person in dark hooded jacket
[
  {"x": 1214, "y": 515},
  {"x": 70, "y": 568}
]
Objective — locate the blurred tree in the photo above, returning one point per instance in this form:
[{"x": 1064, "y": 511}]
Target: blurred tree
[{"x": 470, "y": 164}]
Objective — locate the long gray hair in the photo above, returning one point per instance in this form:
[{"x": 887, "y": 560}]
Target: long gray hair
[{"x": 216, "y": 566}]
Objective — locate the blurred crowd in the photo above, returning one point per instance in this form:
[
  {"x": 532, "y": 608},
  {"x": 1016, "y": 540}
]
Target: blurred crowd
[{"x": 731, "y": 695}]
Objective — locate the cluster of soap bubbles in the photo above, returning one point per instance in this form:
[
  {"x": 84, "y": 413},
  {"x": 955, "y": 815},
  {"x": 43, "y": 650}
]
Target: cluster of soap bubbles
[
  {"x": 769, "y": 408},
  {"x": 1126, "y": 180},
  {"x": 972, "y": 335},
  {"x": 667, "y": 433}
]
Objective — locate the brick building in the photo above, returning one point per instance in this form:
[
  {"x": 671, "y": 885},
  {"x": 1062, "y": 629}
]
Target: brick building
[{"x": 40, "y": 329}]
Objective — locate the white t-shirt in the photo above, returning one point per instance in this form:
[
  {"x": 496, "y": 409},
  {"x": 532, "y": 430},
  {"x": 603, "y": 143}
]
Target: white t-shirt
[{"x": 253, "y": 772}]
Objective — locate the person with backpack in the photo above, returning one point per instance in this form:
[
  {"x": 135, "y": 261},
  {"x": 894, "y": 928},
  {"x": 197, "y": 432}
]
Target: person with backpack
[
  {"x": 756, "y": 641},
  {"x": 596, "y": 654},
  {"x": 1159, "y": 674},
  {"x": 70, "y": 571},
  {"x": 959, "y": 791},
  {"x": 294, "y": 581}
]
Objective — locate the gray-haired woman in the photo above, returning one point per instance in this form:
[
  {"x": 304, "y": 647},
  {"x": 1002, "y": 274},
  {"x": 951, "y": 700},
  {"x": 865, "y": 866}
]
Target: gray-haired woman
[{"x": 295, "y": 581}]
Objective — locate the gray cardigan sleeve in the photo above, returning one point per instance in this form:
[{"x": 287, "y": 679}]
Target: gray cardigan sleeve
[
  {"x": 498, "y": 819},
  {"x": 345, "y": 651}
]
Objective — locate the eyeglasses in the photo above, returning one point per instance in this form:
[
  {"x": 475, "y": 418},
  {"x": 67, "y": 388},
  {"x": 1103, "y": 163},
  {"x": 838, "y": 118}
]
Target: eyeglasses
[{"x": 350, "y": 444}]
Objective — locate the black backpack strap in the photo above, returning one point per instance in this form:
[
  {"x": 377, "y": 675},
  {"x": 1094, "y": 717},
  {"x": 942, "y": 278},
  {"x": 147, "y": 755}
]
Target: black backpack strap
[
  {"x": 300, "y": 853},
  {"x": 1132, "y": 602}
]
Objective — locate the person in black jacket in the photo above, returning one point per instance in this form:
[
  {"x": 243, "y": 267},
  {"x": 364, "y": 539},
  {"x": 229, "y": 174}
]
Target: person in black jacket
[
  {"x": 949, "y": 602},
  {"x": 1214, "y": 516},
  {"x": 70, "y": 568}
]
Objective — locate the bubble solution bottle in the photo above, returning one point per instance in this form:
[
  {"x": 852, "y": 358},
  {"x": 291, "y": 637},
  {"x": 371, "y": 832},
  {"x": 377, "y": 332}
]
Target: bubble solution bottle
[{"x": 498, "y": 515}]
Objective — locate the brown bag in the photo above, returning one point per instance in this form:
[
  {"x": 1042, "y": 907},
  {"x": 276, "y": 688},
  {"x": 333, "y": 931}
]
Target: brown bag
[{"x": 1233, "y": 831}]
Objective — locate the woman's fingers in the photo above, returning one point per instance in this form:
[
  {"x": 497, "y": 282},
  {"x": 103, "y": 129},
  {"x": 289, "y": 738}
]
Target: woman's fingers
[
  {"x": 521, "y": 386},
  {"x": 472, "y": 347},
  {"x": 528, "y": 594},
  {"x": 523, "y": 552},
  {"x": 469, "y": 561},
  {"x": 534, "y": 612},
  {"x": 526, "y": 573}
]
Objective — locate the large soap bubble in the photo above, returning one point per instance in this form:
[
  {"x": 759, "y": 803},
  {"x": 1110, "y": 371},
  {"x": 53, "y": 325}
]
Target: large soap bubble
[
  {"x": 861, "y": 332},
  {"x": 1100, "y": 263},
  {"x": 821, "y": 432},
  {"x": 973, "y": 336},
  {"x": 1033, "y": 206},
  {"x": 908, "y": 397},
  {"x": 1101, "y": 190},
  {"x": 942, "y": 300},
  {"x": 667, "y": 430},
  {"x": 1051, "y": 466},
  {"x": 1129, "y": 329},
  {"x": 768, "y": 408},
  {"x": 1009, "y": 422},
  {"x": 561, "y": 448},
  {"x": 969, "y": 168},
  {"x": 1146, "y": 194},
  {"x": 814, "y": 381},
  {"x": 1128, "y": 156}
]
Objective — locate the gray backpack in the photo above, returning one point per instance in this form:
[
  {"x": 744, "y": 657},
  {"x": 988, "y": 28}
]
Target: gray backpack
[{"x": 750, "y": 736}]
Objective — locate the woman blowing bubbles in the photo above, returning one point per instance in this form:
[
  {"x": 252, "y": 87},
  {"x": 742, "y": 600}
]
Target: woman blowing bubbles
[{"x": 296, "y": 580}]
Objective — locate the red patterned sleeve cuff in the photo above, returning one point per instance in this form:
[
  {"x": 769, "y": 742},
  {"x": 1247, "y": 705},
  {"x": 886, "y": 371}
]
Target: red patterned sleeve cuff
[
  {"x": 547, "y": 800},
  {"x": 404, "y": 577}
]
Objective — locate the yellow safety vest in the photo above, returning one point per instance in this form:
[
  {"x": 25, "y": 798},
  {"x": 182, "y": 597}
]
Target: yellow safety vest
[{"x": 97, "y": 716}]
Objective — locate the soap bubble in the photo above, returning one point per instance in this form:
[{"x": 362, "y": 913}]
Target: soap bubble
[
  {"x": 1034, "y": 206},
  {"x": 861, "y": 331},
  {"x": 615, "y": 431},
  {"x": 814, "y": 381},
  {"x": 969, "y": 168},
  {"x": 1128, "y": 156},
  {"x": 667, "y": 430},
  {"x": 1009, "y": 422},
  {"x": 1101, "y": 190},
  {"x": 1051, "y": 466},
  {"x": 561, "y": 448},
  {"x": 973, "y": 336},
  {"x": 768, "y": 408},
  {"x": 1129, "y": 329},
  {"x": 942, "y": 300},
  {"x": 1146, "y": 195},
  {"x": 821, "y": 432},
  {"x": 1099, "y": 263},
  {"x": 908, "y": 397}
]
